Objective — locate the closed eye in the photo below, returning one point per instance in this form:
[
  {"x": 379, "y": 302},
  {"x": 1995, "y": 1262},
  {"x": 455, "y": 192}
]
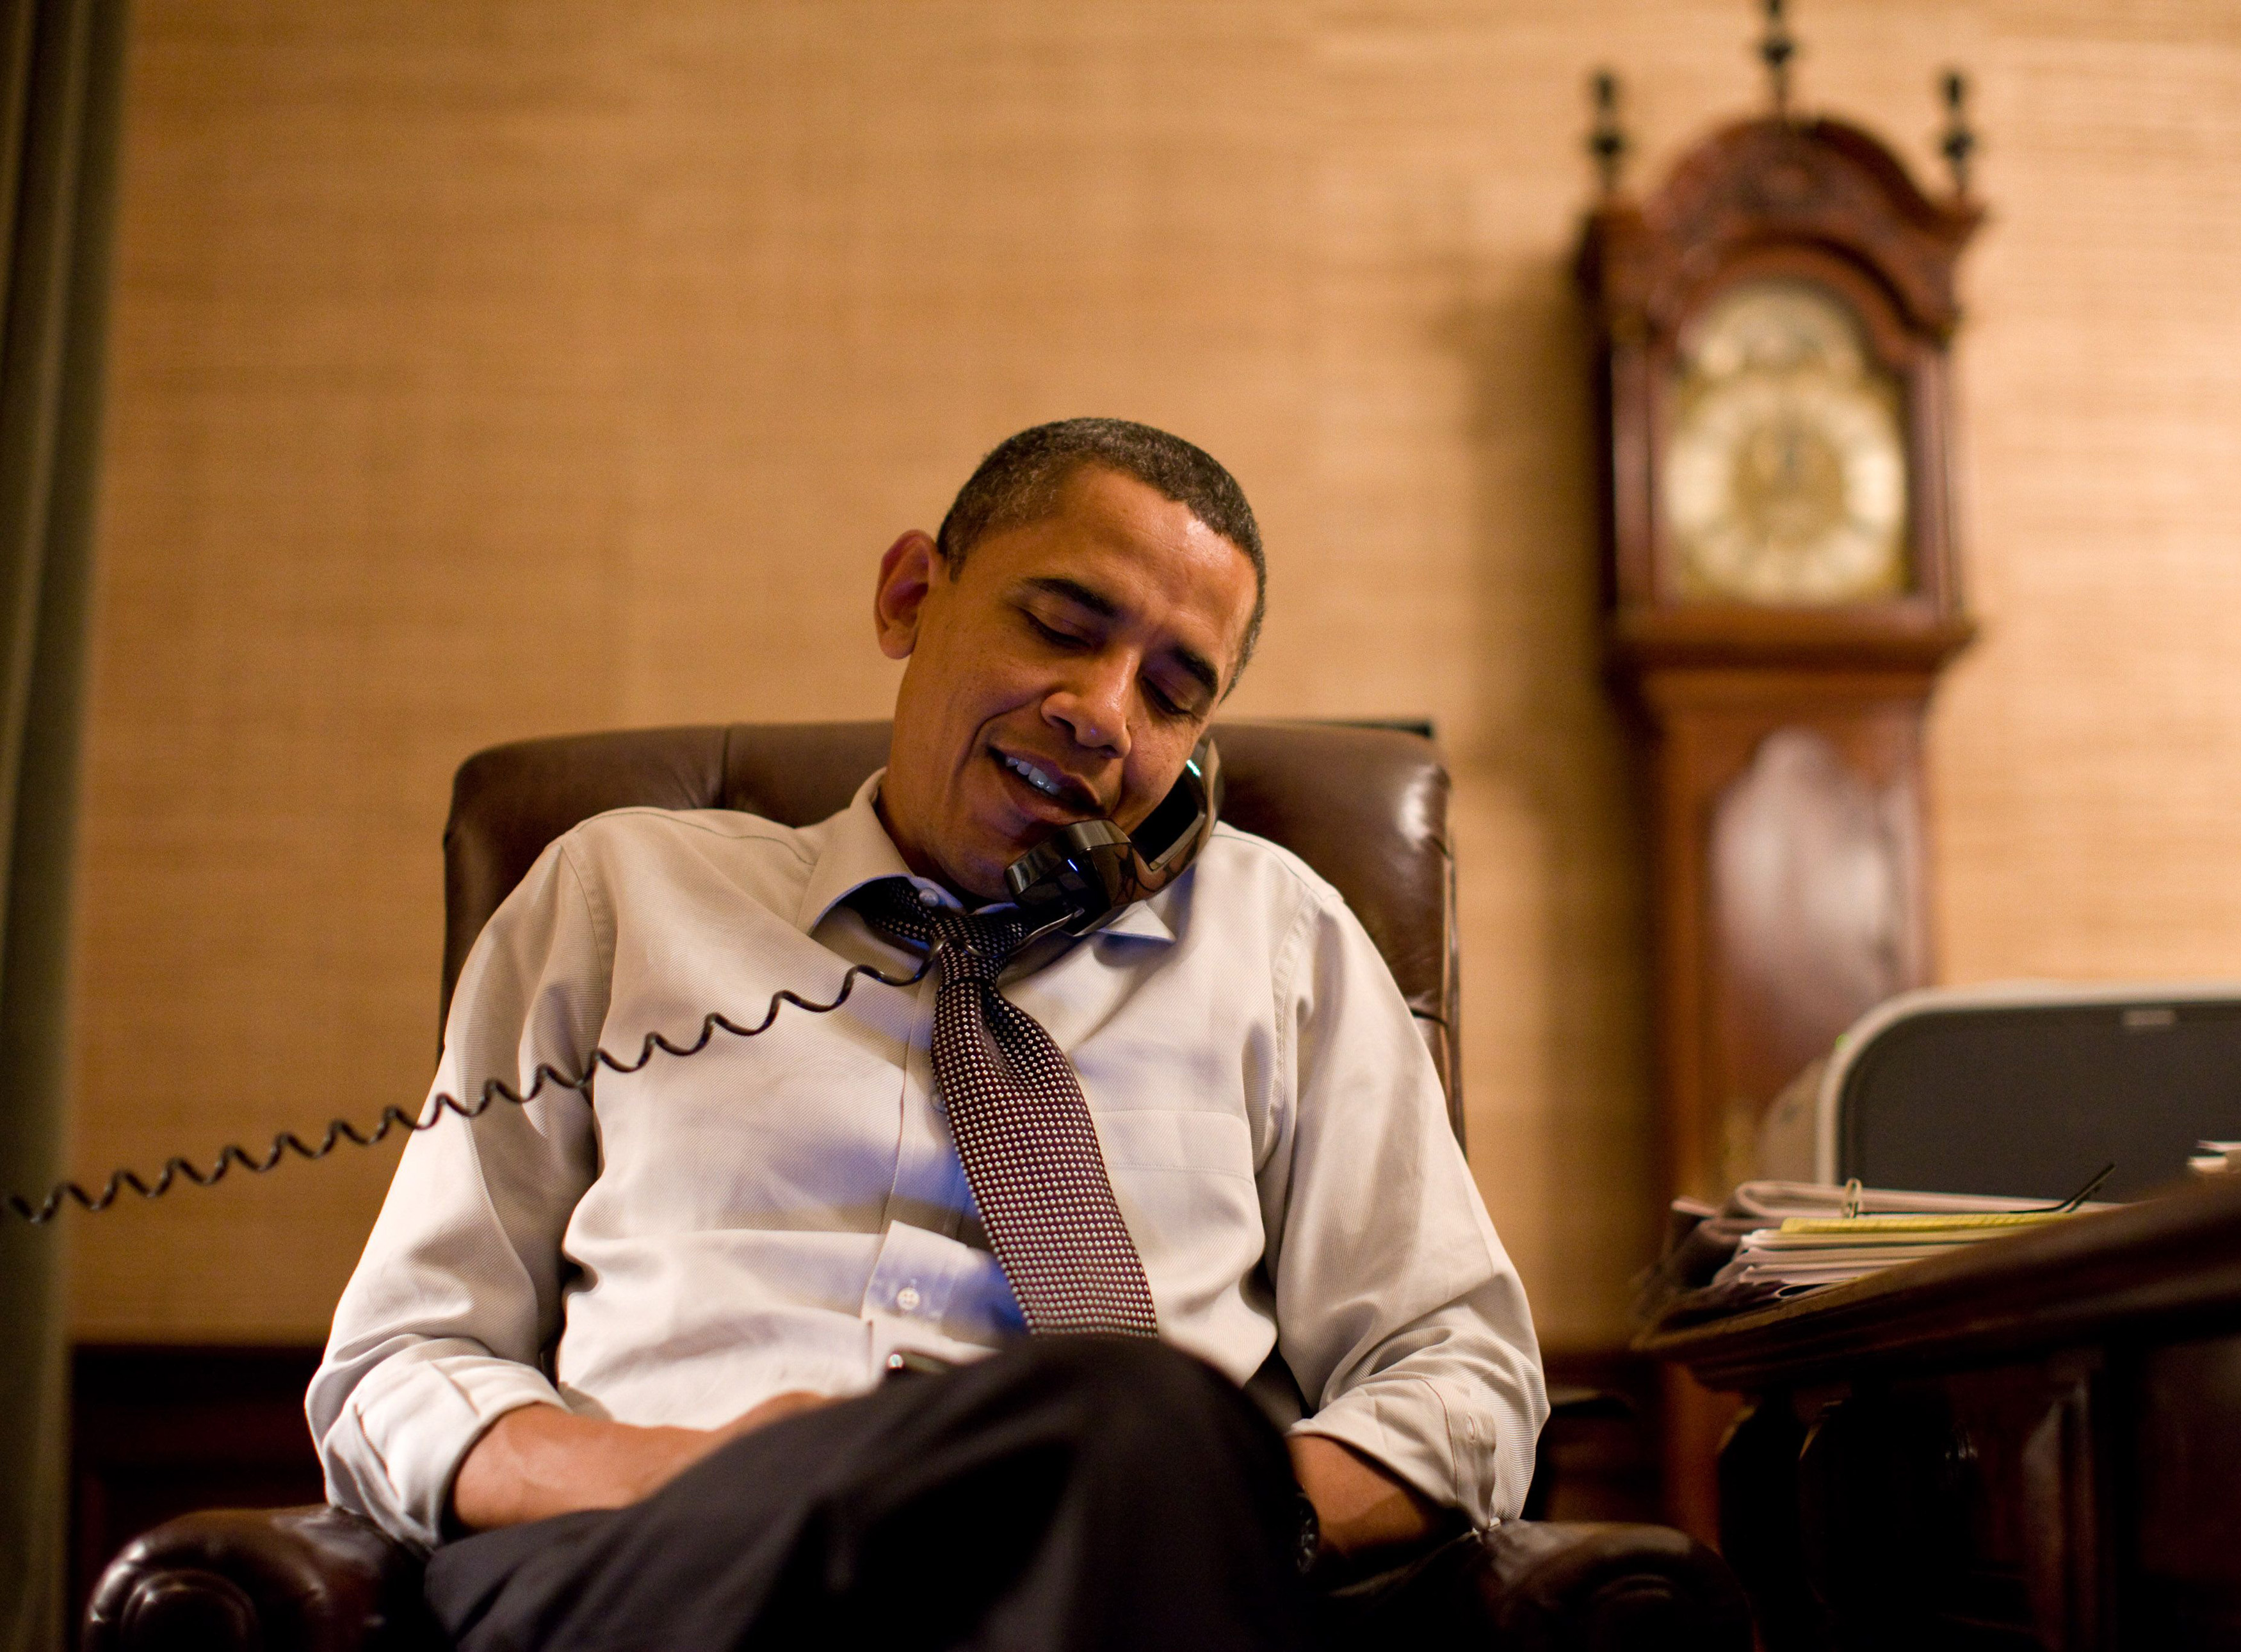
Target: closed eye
[
  {"x": 1165, "y": 704},
  {"x": 1053, "y": 635}
]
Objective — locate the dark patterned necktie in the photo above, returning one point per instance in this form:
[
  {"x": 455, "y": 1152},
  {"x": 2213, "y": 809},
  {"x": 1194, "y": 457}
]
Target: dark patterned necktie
[{"x": 1021, "y": 1126}]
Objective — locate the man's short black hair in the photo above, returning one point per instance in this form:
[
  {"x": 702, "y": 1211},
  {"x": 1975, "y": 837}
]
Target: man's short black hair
[{"x": 1019, "y": 483}]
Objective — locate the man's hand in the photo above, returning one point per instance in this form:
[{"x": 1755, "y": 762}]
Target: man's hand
[
  {"x": 1359, "y": 1505},
  {"x": 541, "y": 1460}
]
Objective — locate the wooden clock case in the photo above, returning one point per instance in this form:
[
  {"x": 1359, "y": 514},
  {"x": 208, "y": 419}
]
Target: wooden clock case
[{"x": 1782, "y": 748}]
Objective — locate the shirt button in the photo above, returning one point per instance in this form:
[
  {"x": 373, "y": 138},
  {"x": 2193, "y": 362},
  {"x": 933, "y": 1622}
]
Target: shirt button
[
  {"x": 928, "y": 897},
  {"x": 908, "y": 1299}
]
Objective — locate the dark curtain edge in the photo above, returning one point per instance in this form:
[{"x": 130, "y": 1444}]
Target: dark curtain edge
[{"x": 59, "y": 244}]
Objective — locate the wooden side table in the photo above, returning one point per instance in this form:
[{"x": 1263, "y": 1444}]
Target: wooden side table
[{"x": 2034, "y": 1442}]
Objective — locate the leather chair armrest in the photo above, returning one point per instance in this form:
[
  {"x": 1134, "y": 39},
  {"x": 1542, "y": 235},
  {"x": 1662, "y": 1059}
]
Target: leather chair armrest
[
  {"x": 1584, "y": 1584},
  {"x": 1554, "y": 1585},
  {"x": 308, "y": 1580}
]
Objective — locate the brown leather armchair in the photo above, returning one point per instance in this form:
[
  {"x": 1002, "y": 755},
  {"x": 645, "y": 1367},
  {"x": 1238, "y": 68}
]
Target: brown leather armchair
[{"x": 1367, "y": 807}]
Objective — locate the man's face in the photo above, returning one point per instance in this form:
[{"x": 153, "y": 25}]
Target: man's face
[{"x": 1064, "y": 675}]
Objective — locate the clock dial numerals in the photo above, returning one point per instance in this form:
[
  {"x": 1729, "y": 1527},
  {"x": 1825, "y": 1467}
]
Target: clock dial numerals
[{"x": 1785, "y": 476}]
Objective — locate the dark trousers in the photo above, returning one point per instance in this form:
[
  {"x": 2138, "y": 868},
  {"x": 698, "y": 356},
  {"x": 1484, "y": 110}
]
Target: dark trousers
[{"x": 1071, "y": 1492}]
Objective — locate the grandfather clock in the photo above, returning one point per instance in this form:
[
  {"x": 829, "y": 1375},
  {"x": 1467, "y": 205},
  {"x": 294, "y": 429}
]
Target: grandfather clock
[{"x": 1772, "y": 325}]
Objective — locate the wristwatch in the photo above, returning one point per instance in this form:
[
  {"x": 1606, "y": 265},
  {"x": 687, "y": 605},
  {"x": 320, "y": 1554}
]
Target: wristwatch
[{"x": 1309, "y": 1542}]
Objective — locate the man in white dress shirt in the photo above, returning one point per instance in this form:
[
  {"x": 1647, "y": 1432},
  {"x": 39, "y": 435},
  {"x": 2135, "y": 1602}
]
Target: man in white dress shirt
[{"x": 625, "y": 1359}]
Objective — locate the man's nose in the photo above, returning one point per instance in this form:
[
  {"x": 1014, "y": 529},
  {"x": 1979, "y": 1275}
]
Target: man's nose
[{"x": 1092, "y": 705}]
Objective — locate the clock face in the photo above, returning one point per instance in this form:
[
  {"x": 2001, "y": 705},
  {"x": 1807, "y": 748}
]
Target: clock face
[{"x": 1785, "y": 476}]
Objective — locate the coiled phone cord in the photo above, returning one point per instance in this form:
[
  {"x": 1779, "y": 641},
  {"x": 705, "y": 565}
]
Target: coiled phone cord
[{"x": 340, "y": 1130}]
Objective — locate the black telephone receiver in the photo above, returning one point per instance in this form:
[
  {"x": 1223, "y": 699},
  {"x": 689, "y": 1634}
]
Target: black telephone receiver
[
  {"x": 1084, "y": 875},
  {"x": 1080, "y": 879}
]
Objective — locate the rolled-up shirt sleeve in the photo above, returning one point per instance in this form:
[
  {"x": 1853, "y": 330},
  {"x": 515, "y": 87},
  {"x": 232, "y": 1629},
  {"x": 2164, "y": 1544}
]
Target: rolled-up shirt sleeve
[
  {"x": 1402, "y": 1316},
  {"x": 443, "y": 1326}
]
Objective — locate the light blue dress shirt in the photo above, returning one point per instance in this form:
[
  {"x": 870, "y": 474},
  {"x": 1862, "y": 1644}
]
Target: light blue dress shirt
[{"x": 782, "y": 1212}]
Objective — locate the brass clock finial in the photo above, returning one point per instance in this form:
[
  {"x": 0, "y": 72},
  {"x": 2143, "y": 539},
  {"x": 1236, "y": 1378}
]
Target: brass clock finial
[
  {"x": 1960, "y": 143},
  {"x": 1606, "y": 140},
  {"x": 1775, "y": 50}
]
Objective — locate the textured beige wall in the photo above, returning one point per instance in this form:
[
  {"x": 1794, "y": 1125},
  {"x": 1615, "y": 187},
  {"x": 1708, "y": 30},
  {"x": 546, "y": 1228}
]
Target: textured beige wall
[{"x": 484, "y": 369}]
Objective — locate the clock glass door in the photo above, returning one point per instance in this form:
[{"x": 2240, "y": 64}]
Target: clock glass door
[{"x": 1784, "y": 480}]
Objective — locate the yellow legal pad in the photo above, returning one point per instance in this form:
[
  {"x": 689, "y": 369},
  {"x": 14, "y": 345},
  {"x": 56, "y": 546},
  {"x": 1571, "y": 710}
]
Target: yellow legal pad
[{"x": 1921, "y": 1224}]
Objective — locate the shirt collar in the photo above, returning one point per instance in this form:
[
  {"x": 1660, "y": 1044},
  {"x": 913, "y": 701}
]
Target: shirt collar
[{"x": 857, "y": 851}]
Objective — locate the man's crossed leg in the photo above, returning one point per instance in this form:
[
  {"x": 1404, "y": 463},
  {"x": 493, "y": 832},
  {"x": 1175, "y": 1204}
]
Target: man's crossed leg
[{"x": 1077, "y": 1492}]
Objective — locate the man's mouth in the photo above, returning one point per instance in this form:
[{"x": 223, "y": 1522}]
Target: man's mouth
[
  {"x": 1033, "y": 777},
  {"x": 1065, "y": 794}
]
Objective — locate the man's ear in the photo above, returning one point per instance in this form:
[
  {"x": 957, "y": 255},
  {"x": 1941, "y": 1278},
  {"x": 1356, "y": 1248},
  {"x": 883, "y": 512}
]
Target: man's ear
[{"x": 905, "y": 575}]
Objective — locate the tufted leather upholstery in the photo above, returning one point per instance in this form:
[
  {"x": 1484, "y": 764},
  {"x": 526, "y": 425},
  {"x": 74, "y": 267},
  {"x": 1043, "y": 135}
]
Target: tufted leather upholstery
[{"x": 1367, "y": 807}]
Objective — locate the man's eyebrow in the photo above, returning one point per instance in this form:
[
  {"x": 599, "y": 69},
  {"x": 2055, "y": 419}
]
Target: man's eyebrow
[
  {"x": 1192, "y": 663},
  {"x": 1074, "y": 591}
]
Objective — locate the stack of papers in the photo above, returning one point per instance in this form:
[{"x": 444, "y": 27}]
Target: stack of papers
[
  {"x": 1773, "y": 1239},
  {"x": 1806, "y": 1251}
]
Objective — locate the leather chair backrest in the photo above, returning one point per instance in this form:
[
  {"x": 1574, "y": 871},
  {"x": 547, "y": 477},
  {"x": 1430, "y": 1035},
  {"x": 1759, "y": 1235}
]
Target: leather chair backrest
[{"x": 1366, "y": 807}]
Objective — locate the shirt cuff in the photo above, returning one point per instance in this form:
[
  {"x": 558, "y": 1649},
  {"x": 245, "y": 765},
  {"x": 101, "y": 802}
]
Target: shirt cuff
[
  {"x": 1427, "y": 1434},
  {"x": 409, "y": 1424}
]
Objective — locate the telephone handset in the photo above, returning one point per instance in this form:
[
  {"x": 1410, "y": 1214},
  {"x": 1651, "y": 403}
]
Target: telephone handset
[
  {"x": 1078, "y": 879},
  {"x": 1084, "y": 875}
]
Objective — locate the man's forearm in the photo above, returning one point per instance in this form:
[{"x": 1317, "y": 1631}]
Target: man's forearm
[
  {"x": 540, "y": 1460},
  {"x": 1358, "y": 1504}
]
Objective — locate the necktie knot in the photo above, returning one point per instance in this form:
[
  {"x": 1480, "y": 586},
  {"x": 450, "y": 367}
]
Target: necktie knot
[{"x": 971, "y": 945}]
